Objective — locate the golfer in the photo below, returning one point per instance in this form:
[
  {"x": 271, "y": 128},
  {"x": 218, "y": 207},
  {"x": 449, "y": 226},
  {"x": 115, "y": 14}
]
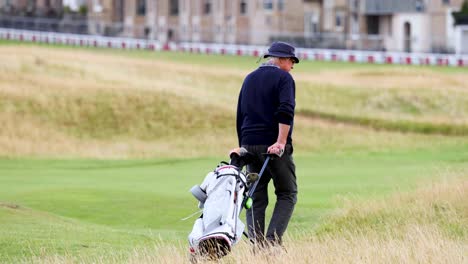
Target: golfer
[{"x": 265, "y": 119}]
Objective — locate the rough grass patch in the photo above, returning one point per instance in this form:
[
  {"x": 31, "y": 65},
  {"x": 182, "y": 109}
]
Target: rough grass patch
[{"x": 440, "y": 206}]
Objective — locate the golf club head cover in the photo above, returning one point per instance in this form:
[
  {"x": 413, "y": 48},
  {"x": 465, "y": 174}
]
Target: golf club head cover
[{"x": 199, "y": 194}]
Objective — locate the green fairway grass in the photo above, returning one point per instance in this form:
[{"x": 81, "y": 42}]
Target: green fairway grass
[
  {"x": 233, "y": 61},
  {"x": 86, "y": 207}
]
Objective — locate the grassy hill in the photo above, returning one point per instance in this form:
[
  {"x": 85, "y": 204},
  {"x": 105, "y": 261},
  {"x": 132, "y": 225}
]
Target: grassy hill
[
  {"x": 120, "y": 104},
  {"x": 100, "y": 147}
]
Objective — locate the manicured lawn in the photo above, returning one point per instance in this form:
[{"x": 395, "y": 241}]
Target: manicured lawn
[{"x": 87, "y": 207}]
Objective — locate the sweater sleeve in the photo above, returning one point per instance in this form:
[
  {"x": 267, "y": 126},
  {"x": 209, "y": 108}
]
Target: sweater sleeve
[
  {"x": 239, "y": 119},
  {"x": 287, "y": 100}
]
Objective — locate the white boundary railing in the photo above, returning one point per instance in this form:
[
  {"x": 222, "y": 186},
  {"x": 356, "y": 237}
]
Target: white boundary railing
[{"x": 352, "y": 56}]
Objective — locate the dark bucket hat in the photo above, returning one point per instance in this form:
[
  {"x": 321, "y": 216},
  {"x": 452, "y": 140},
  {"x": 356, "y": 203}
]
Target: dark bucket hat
[{"x": 281, "y": 50}]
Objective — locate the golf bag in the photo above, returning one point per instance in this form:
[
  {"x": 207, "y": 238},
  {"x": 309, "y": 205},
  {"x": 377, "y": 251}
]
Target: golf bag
[{"x": 221, "y": 196}]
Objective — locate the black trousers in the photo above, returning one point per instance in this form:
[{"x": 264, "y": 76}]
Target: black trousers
[{"x": 283, "y": 172}]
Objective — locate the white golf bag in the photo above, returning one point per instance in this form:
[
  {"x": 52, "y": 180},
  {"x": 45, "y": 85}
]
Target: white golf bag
[{"x": 221, "y": 196}]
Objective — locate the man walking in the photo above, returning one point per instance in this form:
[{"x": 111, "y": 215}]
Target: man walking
[{"x": 265, "y": 118}]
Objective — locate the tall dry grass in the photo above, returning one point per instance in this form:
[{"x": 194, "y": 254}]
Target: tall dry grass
[
  {"x": 429, "y": 225},
  {"x": 82, "y": 104},
  {"x": 412, "y": 78},
  {"x": 419, "y": 245},
  {"x": 78, "y": 103}
]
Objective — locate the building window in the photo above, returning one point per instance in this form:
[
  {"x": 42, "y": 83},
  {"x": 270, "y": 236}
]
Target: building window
[
  {"x": 174, "y": 7},
  {"x": 98, "y": 28},
  {"x": 268, "y": 4},
  {"x": 373, "y": 25},
  {"x": 207, "y": 7},
  {"x": 280, "y": 5},
  {"x": 141, "y": 7},
  {"x": 243, "y": 7},
  {"x": 97, "y": 7},
  {"x": 311, "y": 23},
  {"x": 419, "y": 6},
  {"x": 356, "y": 5},
  {"x": 339, "y": 20},
  {"x": 355, "y": 24},
  {"x": 446, "y": 2},
  {"x": 170, "y": 34}
]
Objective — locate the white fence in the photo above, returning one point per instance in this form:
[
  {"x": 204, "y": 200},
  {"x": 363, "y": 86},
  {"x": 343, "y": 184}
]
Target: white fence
[{"x": 351, "y": 56}]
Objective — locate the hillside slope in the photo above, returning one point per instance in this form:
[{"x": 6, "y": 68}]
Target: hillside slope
[{"x": 72, "y": 102}]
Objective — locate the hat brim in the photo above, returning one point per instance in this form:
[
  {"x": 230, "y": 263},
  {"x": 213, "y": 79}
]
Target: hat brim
[{"x": 280, "y": 55}]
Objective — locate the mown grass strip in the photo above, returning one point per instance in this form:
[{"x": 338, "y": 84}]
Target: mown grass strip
[{"x": 391, "y": 125}]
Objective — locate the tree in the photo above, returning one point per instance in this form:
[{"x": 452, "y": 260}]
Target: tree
[{"x": 461, "y": 17}]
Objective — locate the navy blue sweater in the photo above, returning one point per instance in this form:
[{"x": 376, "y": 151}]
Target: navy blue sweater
[{"x": 267, "y": 98}]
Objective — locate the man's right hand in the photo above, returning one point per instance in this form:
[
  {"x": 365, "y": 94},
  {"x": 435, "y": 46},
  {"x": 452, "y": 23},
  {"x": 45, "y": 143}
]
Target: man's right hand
[{"x": 277, "y": 148}]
